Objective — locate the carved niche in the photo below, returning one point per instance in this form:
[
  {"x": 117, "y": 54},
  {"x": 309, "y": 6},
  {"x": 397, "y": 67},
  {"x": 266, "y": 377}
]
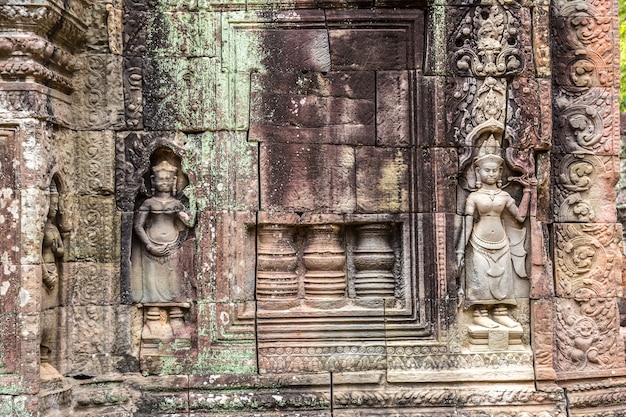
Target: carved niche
[{"x": 157, "y": 269}]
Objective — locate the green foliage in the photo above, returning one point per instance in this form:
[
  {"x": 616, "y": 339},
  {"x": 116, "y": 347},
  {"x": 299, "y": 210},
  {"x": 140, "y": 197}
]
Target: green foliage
[{"x": 622, "y": 49}]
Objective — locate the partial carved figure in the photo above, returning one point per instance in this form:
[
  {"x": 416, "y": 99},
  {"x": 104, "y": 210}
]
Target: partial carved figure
[
  {"x": 492, "y": 241},
  {"x": 52, "y": 253},
  {"x": 52, "y": 249}
]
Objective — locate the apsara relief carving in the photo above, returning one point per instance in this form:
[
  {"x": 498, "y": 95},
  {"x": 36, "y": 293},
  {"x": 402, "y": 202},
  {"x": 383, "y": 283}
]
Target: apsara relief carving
[{"x": 158, "y": 277}]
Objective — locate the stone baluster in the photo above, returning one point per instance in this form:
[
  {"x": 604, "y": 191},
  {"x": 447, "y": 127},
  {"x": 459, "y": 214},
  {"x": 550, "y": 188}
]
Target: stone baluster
[
  {"x": 374, "y": 260},
  {"x": 276, "y": 263},
  {"x": 325, "y": 262}
]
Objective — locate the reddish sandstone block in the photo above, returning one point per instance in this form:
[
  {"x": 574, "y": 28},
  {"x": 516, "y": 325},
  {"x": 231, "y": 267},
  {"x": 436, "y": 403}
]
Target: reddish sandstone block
[
  {"x": 542, "y": 338},
  {"x": 307, "y": 177},
  {"x": 394, "y": 108},
  {"x": 588, "y": 260},
  {"x": 437, "y": 169}
]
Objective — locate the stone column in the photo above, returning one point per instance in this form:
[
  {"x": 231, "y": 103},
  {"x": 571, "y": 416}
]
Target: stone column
[{"x": 585, "y": 169}]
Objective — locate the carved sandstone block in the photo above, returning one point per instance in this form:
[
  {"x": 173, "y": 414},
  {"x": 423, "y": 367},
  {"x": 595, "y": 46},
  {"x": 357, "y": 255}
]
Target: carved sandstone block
[
  {"x": 587, "y": 338},
  {"x": 33, "y": 209},
  {"x": 95, "y": 159},
  {"x": 382, "y": 179},
  {"x": 541, "y": 43},
  {"x": 93, "y": 283},
  {"x": 585, "y": 47},
  {"x": 98, "y": 95},
  {"x": 586, "y": 123},
  {"x": 584, "y": 188},
  {"x": 336, "y": 107},
  {"x": 489, "y": 41},
  {"x": 95, "y": 236},
  {"x": 132, "y": 78},
  {"x": 587, "y": 260},
  {"x": 307, "y": 177}
]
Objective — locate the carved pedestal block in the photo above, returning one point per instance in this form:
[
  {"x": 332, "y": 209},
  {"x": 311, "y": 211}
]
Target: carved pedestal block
[
  {"x": 501, "y": 338},
  {"x": 166, "y": 331}
]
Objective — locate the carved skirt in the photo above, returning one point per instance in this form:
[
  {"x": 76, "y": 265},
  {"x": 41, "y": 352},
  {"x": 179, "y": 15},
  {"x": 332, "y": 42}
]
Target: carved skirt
[
  {"x": 489, "y": 275},
  {"x": 156, "y": 279}
]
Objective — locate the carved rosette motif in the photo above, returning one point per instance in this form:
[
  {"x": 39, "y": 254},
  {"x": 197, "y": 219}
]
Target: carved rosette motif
[{"x": 486, "y": 43}]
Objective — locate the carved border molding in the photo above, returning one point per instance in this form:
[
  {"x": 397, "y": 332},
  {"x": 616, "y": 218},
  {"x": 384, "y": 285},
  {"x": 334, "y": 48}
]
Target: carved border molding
[{"x": 65, "y": 23}]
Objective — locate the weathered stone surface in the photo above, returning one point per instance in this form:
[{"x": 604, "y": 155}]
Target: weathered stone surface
[
  {"x": 226, "y": 275},
  {"x": 336, "y": 107},
  {"x": 227, "y": 169},
  {"x": 540, "y": 36},
  {"x": 226, "y": 341},
  {"x": 543, "y": 340},
  {"x": 325, "y": 153},
  {"x": 280, "y": 46},
  {"x": 307, "y": 177},
  {"x": 204, "y": 104},
  {"x": 436, "y": 180},
  {"x": 529, "y": 117},
  {"x": 95, "y": 232},
  {"x": 396, "y": 47},
  {"x": 395, "y": 108},
  {"x": 382, "y": 179}
]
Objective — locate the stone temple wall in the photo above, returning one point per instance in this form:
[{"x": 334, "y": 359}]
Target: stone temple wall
[{"x": 310, "y": 208}]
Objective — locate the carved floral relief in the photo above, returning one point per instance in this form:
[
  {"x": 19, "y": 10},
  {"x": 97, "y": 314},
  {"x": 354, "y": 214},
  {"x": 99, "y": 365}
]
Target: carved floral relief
[{"x": 486, "y": 42}]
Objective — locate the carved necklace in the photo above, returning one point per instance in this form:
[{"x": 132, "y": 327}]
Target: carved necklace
[{"x": 491, "y": 193}]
